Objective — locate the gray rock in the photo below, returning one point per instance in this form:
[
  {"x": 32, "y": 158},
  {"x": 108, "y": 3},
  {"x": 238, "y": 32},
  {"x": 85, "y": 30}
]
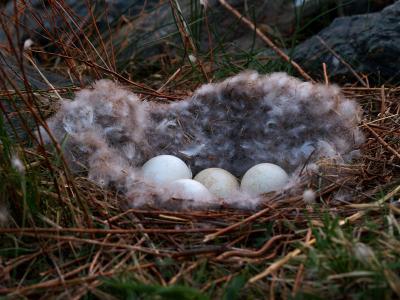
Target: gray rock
[
  {"x": 12, "y": 70},
  {"x": 284, "y": 17},
  {"x": 370, "y": 43},
  {"x": 150, "y": 26},
  {"x": 156, "y": 33},
  {"x": 53, "y": 15},
  {"x": 12, "y": 77}
]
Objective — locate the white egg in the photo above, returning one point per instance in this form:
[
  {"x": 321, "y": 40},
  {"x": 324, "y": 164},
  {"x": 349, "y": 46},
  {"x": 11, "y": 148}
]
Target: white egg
[
  {"x": 219, "y": 182},
  {"x": 189, "y": 189},
  {"x": 164, "y": 169},
  {"x": 264, "y": 178}
]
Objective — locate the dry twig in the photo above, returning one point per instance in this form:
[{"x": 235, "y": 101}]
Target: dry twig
[{"x": 267, "y": 40}]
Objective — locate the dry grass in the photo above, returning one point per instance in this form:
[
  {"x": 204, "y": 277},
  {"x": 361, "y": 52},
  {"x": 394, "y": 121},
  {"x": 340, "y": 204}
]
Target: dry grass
[{"x": 63, "y": 236}]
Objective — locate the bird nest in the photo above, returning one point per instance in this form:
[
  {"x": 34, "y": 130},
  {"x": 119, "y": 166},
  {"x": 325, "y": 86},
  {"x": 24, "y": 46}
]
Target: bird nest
[
  {"x": 108, "y": 133},
  {"x": 116, "y": 238}
]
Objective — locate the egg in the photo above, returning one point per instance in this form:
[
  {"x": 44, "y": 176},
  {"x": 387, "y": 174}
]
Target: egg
[
  {"x": 189, "y": 189},
  {"x": 264, "y": 178},
  {"x": 164, "y": 169},
  {"x": 219, "y": 182}
]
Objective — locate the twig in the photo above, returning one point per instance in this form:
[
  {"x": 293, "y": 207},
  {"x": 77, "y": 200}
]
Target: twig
[
  {"x": 53, "y": 89},
  {"x": 225, "y": 278},
  {"x": 300, "y": 272},
  {"x": 342, "y": 61},
  {"x": 267, "y": 40},
  {"x": 95, "y": 242},
  {"x": 383, "y": 101},
  {"x": 146, "y": 90},
  {"x": 213, "y": 236},
  {"x": 251, "y": 253},
  {"x": 326, "y": 78},
  {"x": 103, "y": 231},
  {"x": 382, "y": 142},
  {"x": 278, "y": 264},
  {"x": 375, "y": 204},
  {"x": 184, "y": 271},
  {"x": 197, "y": 251},
  {"x": 172, "y": 77}
]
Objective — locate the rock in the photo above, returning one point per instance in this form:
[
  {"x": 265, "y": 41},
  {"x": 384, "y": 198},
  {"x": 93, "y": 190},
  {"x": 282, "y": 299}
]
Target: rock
[
  {"x": 370, "y": 43},
  {"x": 285, "y": 16},
  {"x": 148, "y": 27},
  {"x": 155, "y": 32},
  {"x": 11, "y": 71},
  {"x": 52, "y": 15},
  {"x": 148, "y": 31}
]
